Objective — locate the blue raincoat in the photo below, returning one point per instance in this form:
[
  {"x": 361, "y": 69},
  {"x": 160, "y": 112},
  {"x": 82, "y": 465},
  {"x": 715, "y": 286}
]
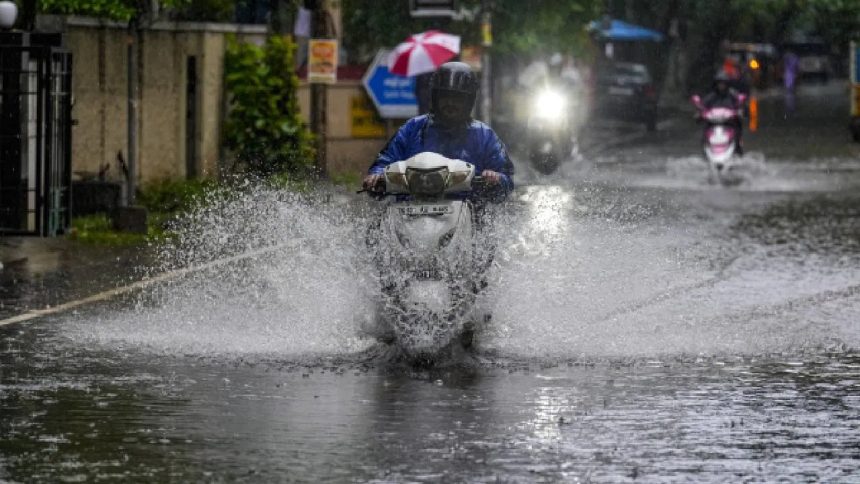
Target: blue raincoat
[{"x": 478, "y": 145}]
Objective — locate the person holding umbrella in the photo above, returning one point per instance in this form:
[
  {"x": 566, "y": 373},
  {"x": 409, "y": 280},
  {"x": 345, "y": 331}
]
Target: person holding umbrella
[
  {"x": 449, "y": 130},
  {"x": 419, "y": 56}
]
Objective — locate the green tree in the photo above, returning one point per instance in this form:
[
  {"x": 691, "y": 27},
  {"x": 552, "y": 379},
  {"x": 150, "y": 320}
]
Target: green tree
[
  {"x": 263, "y": 129},
  {"x": 837, "y": 21},
  {"x": 369, "y": 25},
  {"x": 122, "y": 10},
  {"x": 773, "y": 21},
  {"x": 519, "y": 27},
  {"x": 526, "y": 28},
  {"x": 129, "y": 10},
  {"x": 205, "y": 11}
]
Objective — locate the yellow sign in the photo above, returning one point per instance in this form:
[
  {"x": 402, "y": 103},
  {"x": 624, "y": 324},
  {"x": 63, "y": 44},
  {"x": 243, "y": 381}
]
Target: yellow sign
[
  {"x": 366, "y": 123},
  {"x": 486, "y": 34},
  {"x": 471, "y": 55},
  {"x": 322, "y": 60}
]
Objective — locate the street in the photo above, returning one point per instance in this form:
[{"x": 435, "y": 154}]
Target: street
[{"x": 647, "y": 326}]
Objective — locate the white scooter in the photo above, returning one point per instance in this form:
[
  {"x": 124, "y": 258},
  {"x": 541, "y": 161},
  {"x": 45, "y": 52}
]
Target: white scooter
[{"x": 430, "y": 263}]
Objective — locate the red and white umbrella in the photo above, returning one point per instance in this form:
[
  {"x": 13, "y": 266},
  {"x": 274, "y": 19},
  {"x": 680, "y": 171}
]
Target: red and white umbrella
[{"x": 423, "y": 52}]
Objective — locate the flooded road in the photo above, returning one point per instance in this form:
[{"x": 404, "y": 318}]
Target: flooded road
[{"x": 647, "y": 326}]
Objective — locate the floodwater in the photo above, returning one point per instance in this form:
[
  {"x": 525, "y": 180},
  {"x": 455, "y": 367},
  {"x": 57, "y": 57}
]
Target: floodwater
[{"x": 647, "y": 327}]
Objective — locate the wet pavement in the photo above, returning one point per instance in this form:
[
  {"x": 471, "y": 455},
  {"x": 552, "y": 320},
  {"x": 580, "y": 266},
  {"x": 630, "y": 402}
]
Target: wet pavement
[
  {"x": 647, "y": 327},
  {"x": 36, "y": 273}
]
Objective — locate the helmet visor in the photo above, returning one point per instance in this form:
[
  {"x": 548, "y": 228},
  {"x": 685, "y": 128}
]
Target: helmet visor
[
  {"x": 452, "y": 105},
  {"x": 455, "y": 81}
]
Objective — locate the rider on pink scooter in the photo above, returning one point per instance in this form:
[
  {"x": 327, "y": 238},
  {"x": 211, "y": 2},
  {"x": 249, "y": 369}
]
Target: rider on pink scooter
[{"x": 723, "y": 96}]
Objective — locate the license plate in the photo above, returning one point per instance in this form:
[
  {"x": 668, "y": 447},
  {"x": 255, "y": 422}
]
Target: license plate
[
  {"x": 621, "y": 91},
  {"x": 424, "y": 275},
  {"x": 425, "y": 209}
]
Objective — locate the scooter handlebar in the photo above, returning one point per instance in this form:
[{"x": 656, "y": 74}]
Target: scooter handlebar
[{"x": 378, "y": 190}]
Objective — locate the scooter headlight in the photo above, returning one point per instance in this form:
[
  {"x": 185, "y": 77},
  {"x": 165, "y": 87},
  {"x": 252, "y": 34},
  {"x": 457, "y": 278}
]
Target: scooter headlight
[
  {"x": 550, "y": 105},
  {"x": 396, "y": 181},
  {"x": 427, "y": 182},
  {"x": 458, "y": 177}
]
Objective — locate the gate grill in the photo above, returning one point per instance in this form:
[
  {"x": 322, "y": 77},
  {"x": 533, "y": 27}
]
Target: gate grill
[{"x": 35, "y": 134}]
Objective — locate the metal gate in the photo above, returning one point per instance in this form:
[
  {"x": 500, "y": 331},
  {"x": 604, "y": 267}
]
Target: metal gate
[{"x": 35, "y": 134}]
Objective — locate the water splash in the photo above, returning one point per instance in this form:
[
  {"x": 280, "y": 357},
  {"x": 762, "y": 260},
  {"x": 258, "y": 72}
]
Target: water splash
[
  {"x": 755, "y": 173},
  {"x": 659, "y": 284},
  {"x": 580, "y": 272},
  {"x": 301, "y": 294}
]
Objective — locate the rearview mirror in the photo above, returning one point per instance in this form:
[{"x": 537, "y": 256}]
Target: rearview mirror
[{"x": 697, "y": 101}]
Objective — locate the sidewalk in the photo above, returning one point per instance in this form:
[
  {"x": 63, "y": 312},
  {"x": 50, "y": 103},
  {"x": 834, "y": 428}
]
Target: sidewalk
[{"x": 39, "y": 272}]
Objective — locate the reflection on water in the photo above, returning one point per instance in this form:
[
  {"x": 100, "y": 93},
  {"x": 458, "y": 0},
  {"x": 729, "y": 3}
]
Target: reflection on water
[
  {"x": 637, "y": 334},
  {"x": 86, "y": 416},
  {"x": 40, "y": 272},
  {"x": 800, "y": 227}
]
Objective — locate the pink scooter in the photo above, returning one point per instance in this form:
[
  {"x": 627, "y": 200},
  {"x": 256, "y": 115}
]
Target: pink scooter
[{"x": 720, "y": 139}]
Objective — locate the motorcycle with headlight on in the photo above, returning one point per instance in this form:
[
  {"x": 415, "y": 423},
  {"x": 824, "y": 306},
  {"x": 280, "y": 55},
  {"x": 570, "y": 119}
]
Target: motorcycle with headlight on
[
  {"x": 549, "y": 134},
  {"x": 425, "y": 248}
]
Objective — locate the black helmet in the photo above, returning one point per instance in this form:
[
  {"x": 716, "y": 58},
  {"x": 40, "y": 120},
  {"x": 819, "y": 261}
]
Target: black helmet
[
  {"x": 455, "y": 80},
  {"x": 722, "y": 76},
  {"x": 722, "y": 81}
]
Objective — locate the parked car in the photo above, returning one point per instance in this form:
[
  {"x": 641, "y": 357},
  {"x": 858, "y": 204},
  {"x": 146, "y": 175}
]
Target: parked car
[
  {"x": 625, "y": 90},
  {"x": 814, "y": 59}
]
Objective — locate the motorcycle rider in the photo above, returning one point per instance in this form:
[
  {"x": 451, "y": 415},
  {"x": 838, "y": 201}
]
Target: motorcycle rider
[
  {"x": 723, "y": 96},
  {"x": 450, "y": 131}
]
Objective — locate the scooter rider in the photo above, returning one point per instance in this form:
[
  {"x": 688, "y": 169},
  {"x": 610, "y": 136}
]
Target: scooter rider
[
  {"x": 450, "y": 131},
  {"x": 723, "y": 96}
]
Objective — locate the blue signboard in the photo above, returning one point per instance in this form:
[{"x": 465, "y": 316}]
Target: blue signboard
[{"x": 393, "y": 95}]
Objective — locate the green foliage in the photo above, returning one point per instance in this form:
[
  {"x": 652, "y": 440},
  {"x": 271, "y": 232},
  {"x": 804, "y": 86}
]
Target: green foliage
[
  {"x": 263, "y": 129},
  {"x": 126, "y": 10},
  {"x": 543, "y": 26},
  {"x": 172, "y": 196},
  {"x": 206, "y": 11},
  {"x": 112, "y": 9},
  {"x": 98, "y": 230},
  {"x": 289, "y": 182},
  {"x": 519, "y": 27},
  {"x": 348, "y": 179},
  {"x": 369, "y": 26},
  {"x": 838, "y": 21},
  {"x": 123, "y": 10},
  {"x": 164, "y": 202}
]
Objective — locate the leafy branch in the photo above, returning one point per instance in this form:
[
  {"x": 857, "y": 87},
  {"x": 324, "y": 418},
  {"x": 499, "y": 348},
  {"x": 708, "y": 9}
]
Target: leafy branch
[{"x": 264, "y": 129}]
